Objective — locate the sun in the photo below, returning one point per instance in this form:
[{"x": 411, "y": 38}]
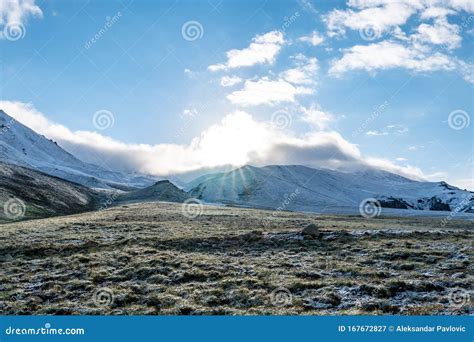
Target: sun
[{"x": 233, "y": 140}]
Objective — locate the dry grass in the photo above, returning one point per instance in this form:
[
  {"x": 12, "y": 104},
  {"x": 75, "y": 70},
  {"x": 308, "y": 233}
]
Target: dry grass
[{"x": 150, "y": 259}]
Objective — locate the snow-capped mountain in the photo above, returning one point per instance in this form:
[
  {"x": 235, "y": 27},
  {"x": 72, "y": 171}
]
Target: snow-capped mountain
[
  {"x": 22, "y": 146},
  {"x": 306, "y": 189},
  {"x": 293, "y": 187}
]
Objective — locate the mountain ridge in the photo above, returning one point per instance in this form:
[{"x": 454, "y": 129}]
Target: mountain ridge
[
  {"x": 20, "y": 145},
  {"x": 269, "y": 186},
  {"x": 291, "y": 187}
]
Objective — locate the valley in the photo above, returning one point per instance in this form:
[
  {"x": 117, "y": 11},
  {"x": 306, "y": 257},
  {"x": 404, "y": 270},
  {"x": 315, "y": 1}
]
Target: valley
[{"x": 166, "y": 259}]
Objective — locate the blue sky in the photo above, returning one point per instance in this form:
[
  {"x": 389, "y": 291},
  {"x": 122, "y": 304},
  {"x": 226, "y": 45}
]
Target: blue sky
[{"x": 184, "y": 85}]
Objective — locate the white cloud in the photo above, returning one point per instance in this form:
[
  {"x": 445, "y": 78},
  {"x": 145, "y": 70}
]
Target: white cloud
[
  {"x": 316, "y": 117},
  {"x": 461, "y": 5},
  {"x": 229, "y": 81},
  {"x": 308, "y": 6},
  {"x": 304, "y": 72},
  {"x": 315, "y": 38},
  {"x": 390, "y": 55},
  {"x": 237, "y": 140},
  {"x": 266, "y": 91},
  {"x": 192, "y": 112},
  {"x": 263, "y": 50},
  {"x": 396, "y": 129},
  {"x": 436, "y": 12},
  {"x": 390, "y": 15},
  {"x": 467, "y": 71},
  {"x": 190, "y": 73},
  {"x": 440, "y": 33},
  {"x": 16, "y": 12},
  {"x": 376, "y": 133},
  {"x": 376, "y": 18},
  {"x": 389, "y": 130}
]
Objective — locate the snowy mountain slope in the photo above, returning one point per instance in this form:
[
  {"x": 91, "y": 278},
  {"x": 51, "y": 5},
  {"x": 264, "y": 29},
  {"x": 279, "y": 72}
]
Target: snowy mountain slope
[
  {"x": 302, "y": 188},
  {"x": 26, "y": 194},
  {"x": 22, "y": 146}
]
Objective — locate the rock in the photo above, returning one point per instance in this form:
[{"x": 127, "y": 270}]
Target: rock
[
  {"x": 253, "y": 236},
  {"x": 311, "y": 230}
]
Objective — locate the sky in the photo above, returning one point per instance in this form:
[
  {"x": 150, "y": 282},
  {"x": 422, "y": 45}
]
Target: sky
[{"x": 177, "y": 86}]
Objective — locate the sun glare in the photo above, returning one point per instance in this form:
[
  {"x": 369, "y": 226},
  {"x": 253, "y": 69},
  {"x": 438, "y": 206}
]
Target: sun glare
[{"x": 232, "y": 141}]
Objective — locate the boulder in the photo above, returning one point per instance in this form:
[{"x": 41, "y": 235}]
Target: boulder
[{"x": 311, "y": 230}]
